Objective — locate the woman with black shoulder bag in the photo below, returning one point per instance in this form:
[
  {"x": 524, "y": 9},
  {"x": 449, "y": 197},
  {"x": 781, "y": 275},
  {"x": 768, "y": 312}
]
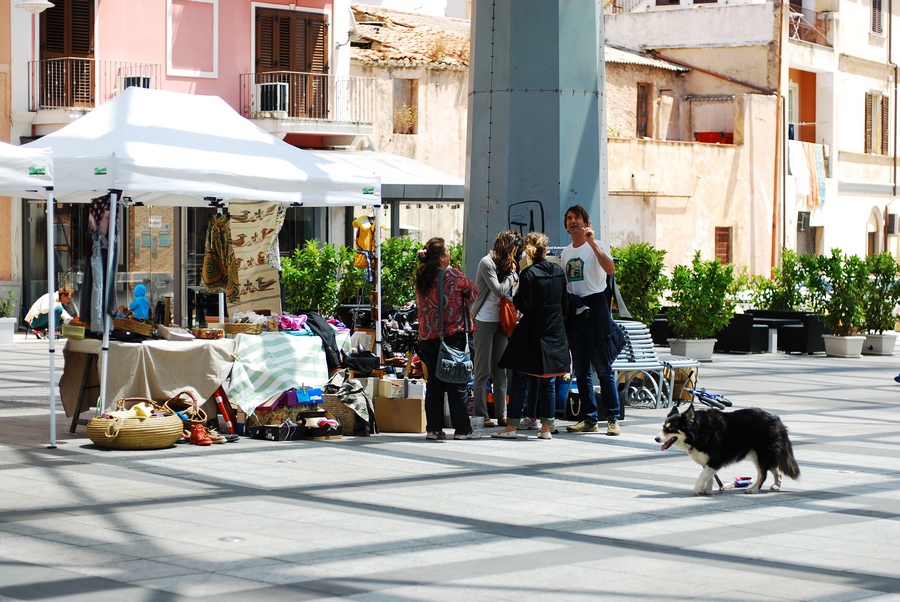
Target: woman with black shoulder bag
[{"x": 443, "y": 295}]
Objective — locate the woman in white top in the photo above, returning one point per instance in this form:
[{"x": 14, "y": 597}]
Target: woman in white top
[{"x": 496, "y": 277}]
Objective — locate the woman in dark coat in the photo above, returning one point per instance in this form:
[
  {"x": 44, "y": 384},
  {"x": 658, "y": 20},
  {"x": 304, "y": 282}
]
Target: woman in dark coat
[{"x": 538, "y": 347}]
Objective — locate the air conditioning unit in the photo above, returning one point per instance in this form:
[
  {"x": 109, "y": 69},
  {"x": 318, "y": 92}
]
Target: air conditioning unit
[
  {"x": 893, "y": 223},
  {"x": 271, "y": 98},
  {"x": 802, "y": 221},
  {"x": 138, "y": 81}
]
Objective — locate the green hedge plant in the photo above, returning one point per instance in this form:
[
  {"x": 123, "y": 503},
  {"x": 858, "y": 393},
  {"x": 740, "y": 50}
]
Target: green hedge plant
[
  {"x": 844, "y": 278},
  {"x": 881, "y": 294},
  {"x": 699, "y": 292},
  {"x": 310, "y": 280},
  {"x": 640, "y": 278}
]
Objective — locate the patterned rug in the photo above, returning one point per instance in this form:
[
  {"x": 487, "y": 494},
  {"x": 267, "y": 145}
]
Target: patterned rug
[{"x": 254, "y": 229}]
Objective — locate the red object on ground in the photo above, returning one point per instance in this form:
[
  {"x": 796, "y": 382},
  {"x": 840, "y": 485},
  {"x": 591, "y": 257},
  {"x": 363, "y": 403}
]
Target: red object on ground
[{"x": 223, "y": 409}]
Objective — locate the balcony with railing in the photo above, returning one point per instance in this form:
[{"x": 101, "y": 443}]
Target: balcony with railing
[
  {"x": 310, "y": 102},
  {"x": 83, "y": 84},
  {"x": 807, "y": 25}
]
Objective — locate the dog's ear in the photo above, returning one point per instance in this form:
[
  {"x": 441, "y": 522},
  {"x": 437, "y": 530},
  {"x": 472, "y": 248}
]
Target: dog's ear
[
  {"x": 674, "y": 412},
  {"x": 689, "y": 413}
]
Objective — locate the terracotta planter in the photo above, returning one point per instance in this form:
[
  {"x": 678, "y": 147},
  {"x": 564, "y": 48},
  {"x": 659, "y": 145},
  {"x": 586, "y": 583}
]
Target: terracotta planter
[
  {"x": 698, "y": 349},
  {"x": 849, "y": 346},
  {"x": 880, "y": 344},
  {"x": 7, "y": 329}
]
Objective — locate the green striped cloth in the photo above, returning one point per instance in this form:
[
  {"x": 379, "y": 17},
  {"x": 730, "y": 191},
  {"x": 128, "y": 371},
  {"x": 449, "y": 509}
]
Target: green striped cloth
[{"x": 269, "y": 363}]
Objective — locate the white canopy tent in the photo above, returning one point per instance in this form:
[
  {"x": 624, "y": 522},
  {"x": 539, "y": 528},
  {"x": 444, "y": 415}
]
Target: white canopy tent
[
  {"x": 165, "y": 148},
  {"x": 25, "y": 171}
]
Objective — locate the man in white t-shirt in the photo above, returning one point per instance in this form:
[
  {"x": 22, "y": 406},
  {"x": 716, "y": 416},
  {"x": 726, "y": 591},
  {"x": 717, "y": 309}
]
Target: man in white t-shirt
[{"x": 586, "y": 263}]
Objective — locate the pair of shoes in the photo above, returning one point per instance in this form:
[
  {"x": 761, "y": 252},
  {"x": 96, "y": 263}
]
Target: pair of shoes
[
  {"x": 545, "y": 435},
  {"x": 528, "y": 424},
  {"x": 502, "y": 422},
  {"x": 216, "y": 437},
  {"x": 489, "y": 424},
  {"x": 199, "y": 435},
  {"x": 433, "y": 435},
  {"x": 505, "y": 435},
  {"x": 612, "y": 427},
  {"x": 583, "y": 427},
  {"x": 472, "y": 435},
  {"x": 897, "y": 378}
]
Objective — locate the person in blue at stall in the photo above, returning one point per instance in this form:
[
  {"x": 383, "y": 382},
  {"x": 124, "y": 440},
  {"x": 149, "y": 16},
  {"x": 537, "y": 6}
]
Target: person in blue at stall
[{"x": 141, "y": 305}]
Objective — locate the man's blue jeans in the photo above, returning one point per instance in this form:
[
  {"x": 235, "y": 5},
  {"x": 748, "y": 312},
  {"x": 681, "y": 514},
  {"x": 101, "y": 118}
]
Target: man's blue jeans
[
  {"x": 43, "y": 320},
  {"x": 587, "y": 341}
]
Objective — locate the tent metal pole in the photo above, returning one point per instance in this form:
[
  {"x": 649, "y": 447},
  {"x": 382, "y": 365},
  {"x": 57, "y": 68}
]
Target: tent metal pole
[
  {"x": 51, "y": 317},
  {"x": 378, "y": 281},
  {"x": 109, "y": 288},
  {"x": 219, "y": 211}
]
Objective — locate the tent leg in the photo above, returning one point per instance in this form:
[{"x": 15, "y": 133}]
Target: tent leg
[
  {"x": 51, "y": 323},
  {"x": 109, "y": 288}
]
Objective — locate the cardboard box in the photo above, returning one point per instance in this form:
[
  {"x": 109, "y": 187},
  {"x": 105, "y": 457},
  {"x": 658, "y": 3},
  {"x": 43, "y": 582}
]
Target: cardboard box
[
  {"x": 400, "y": 414},
  {"x": 391, "y": 387},
  {"x": 415, "y": 388}
]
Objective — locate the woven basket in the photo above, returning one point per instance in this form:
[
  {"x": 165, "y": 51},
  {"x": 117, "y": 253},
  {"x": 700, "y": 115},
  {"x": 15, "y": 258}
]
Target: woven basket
[
  {"x": 134, "y": 326},
  {"x": 208, "y": 333},
  {"x": 156, "y": 432},
  {"x": 185, "y": 403},
  {"x": 340, "y": 410},
  {"x": 243, "y": 328}
]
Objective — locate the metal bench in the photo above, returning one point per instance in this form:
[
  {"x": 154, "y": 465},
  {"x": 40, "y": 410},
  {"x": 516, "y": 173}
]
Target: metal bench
[{"x": 647, "y": 377}]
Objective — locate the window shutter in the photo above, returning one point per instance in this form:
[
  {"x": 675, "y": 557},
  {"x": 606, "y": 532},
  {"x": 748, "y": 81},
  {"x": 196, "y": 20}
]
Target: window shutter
[
  {"x": 53, "y": 22},
  {"x": 265, "y": 41},
  {"x": 876, "y": 16},
  {"x": 885, "y": 130},
  {"x": 299, "y": 58},
  {"x": 317, "y": 35},
  {"x": 82, "y": 26},
  {"x": 868, "y": 147},
  {"x": 283, "y": 44}
]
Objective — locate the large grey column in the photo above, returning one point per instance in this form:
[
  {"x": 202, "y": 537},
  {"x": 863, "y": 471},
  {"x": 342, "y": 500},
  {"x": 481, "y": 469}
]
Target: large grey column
[{"x": 537, "y": 132}]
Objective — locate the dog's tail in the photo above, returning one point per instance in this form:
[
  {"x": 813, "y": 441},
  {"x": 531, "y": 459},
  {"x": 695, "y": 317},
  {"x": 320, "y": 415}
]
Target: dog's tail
[{"x": 787, "y": 464}]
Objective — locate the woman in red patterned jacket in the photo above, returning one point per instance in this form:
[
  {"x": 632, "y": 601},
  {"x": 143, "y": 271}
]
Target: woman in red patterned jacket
[{"x": 458, "y": 293}]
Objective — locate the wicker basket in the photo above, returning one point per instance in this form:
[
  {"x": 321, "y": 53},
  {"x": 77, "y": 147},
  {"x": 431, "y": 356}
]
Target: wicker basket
[
  {"x": 208, "y": 333},
  {"x": 155, "y": 432},
  {"x": 186, "y": 404},
  {"x": 243, "y": 328},
  {"x": 341, "y": 411},
  {"x": 133, "y": 326}
]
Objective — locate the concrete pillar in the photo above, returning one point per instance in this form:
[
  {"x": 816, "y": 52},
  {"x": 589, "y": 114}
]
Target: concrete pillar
[{"x": 537, "y": 128}]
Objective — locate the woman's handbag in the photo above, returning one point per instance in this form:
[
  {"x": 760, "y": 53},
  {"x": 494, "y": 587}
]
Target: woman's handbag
[
  {"x": 453, "y": 365},
  {"x": 508, "y": 315}
]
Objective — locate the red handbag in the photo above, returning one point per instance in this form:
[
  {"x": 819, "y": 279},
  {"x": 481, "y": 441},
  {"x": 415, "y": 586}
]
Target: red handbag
[{"x": 507, "y": 316}]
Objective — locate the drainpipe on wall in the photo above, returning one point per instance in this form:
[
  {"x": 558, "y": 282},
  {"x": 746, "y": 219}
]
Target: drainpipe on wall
[{"x": 780, "y": 145}]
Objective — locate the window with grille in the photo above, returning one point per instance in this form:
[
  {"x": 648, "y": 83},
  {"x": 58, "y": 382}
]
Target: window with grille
[
  {"x": 67, "y": 55},
  {"x": 877, "y": 134},
  {"x": 877, "y": 26},
  {"x": 291, "y": 48},
  {"x": 723, "y": 245},
  {"x": 406, "y": 106},
  {"x": 643, "y": 110}
]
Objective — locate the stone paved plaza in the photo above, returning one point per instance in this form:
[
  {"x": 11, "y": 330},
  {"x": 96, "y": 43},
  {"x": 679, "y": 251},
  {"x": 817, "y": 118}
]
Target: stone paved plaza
[{"x": 395, "y": 517}]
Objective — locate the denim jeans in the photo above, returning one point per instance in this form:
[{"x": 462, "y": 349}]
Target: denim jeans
[
  {"x": 43, "y": 320},
  {"x": 523, "y": 398},
  {"x": 457, "y": 394},
  {"x": 587, "y": 343},
  {"x": 99, "y": 280}
]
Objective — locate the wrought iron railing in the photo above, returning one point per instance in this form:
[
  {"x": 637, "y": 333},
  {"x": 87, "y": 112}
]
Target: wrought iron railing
[
  {"x": 809, "y": 26},
  {"x": 317, "y": 96},
  {"x": 79, "y": 83}
]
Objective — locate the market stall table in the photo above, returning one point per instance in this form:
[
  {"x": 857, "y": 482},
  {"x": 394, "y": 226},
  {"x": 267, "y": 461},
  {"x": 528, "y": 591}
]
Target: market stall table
[{"x": 156, "y": 369}]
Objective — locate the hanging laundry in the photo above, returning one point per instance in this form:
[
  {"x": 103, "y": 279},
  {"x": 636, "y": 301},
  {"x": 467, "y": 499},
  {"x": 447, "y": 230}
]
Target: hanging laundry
[{"x": 220, "y": 268}]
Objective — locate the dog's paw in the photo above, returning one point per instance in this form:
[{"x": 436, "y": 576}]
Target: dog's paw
[
  {"x": 702, "y": 492},
  {"x": 752, "y": 490},
  {"x": 775, "y": 487}
]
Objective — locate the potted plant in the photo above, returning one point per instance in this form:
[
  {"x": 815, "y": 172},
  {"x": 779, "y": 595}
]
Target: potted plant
[
  {"x": 880, "y": 298},
  {"x": 640, "y": 278},
  {"x": 7, "y": 318},
  {"x": 844, "y": 278},
  {"x": 702, "y": 306}
]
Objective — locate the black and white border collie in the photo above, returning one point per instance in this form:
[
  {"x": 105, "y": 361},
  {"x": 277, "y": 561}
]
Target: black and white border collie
[{"x": 716, "y": 439}]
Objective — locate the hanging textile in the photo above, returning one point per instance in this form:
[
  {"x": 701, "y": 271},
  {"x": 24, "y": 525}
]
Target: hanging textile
[
  {"x": 220, "y": 269},
  {"x": 254, "y": 227},
  {"x": 273, "y": 255},
  {"x": 98, "y": 233}
]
